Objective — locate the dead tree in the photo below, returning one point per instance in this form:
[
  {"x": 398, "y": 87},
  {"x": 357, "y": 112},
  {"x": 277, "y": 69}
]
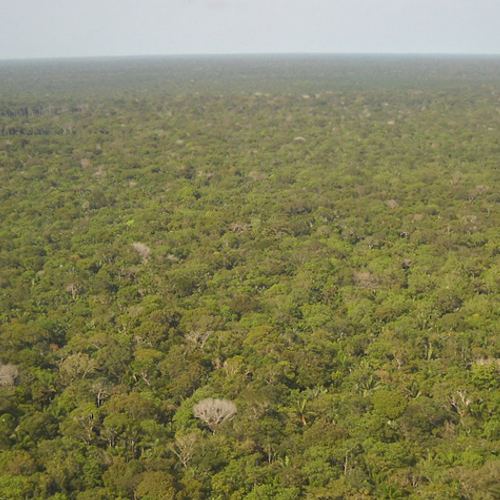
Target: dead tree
[
  {"x": 8, "y": 375},
  {"x": 214, "y": 411}
]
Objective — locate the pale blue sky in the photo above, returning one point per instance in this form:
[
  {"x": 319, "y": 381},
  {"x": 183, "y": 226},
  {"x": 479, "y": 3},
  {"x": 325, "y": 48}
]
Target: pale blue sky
[{"x": 75, "y": 28}]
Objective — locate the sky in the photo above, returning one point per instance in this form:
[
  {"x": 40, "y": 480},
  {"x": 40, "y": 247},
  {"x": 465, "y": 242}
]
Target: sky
[{"x": 82, "y": 28}]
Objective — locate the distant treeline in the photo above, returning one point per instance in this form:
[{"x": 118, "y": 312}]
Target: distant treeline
[
  {"x": 33, "y": 131},
  {"x": 43, "y": 110}
]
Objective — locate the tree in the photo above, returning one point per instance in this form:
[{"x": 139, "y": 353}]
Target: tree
[
  {"x": 214, "y": 411},
  {"x": 8, "y": 375},
  {"x": 185, "y": 445},
  {"x": 156, "y": 484}
]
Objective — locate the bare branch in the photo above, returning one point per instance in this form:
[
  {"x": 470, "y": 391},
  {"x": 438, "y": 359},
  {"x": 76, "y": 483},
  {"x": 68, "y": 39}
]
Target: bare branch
[{"x": 214, "y": 411}]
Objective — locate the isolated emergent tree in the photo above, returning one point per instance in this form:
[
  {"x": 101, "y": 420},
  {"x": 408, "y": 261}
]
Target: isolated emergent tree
[{"x": 214, "y": 411}]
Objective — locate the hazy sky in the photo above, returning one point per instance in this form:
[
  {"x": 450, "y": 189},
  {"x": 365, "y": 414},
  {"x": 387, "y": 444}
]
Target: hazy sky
[{"x": 62, "y": 28}]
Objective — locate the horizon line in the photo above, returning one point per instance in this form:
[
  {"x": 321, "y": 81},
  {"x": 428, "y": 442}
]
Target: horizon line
[{"x": 251, "y": 54}]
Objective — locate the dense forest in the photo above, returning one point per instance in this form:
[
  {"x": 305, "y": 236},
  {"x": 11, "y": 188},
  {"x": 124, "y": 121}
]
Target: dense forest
[{"x": 253, "y": 278}]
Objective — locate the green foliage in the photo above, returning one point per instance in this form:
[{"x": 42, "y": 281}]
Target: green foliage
[
  {"x": 312, "y": 239},
  {"x": 388, "y": 404}
]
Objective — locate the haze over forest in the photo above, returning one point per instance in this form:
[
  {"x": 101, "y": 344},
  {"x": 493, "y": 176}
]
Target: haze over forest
[{"x": 56, "y": 28}]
